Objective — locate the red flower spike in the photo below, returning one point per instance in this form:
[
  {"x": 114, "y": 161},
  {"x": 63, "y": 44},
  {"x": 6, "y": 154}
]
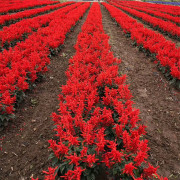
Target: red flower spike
[
  {"x": 128, "y": 169},
  {"x": 74, "y": 159},
  {"x": 90, "y": 160},
  {"x": 148, "y": 172}
]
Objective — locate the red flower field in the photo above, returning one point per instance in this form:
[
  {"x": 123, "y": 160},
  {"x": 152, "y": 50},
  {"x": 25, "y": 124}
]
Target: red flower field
[{"x": 115, "y": 115}]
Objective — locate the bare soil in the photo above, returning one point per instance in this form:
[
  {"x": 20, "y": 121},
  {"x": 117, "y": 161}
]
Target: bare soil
[
  {"x": 25, "y": 142},
  {"x": 156, "y": 99}
]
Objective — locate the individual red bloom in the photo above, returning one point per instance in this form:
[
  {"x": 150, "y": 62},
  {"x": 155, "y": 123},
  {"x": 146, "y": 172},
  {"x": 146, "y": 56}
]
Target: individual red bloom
[
  {"x": 101, "y": 141},
  {"x": 7, "y": 99},
  {"x": 9, "y": 109},
  {"x": 74, "y": 175},
  {"x": 120, "y": 80},
  {"x": 84, "y": 152},
  {"x": 119, "y": 130},
  {"x": 106, "y": 100},
  {"x": 141, "y": 156},
  {"x": 135, "y": 143},
  {"x": 87, "y": 134},
  {"x": 74, "y": 159},
  {"x": 22, "y": 84},
  {"x": 51, "y": 175},
  {"x": 141, "y": 130},
  {"x": 126, "y": 140},
  {"x": 59, "y": 149},
  {"x": 90, "y": 159},
  {"x": 73, "y": 141},
  {"x": 143, "y": 145},
  {"x": 107, "y": 117},
  {"x": 148, "y": 172},
  {"x": 119, "y": 107},
  {"x": 106, "y": 160},
  {"x": 116, "y": 156},
  {"x": 128, "y": 169},
  {"x": 55, "y": 117},
  {"x": 123, "y": 119}
]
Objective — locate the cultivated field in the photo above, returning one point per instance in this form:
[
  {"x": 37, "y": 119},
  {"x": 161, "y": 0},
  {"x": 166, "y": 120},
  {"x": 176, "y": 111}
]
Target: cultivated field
[{"x": 89, "y": 90}]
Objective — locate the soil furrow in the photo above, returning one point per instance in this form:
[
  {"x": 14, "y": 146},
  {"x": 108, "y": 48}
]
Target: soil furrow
[
  {"x": 157, "y": 101},
  {"x": 24, "y": 146}
]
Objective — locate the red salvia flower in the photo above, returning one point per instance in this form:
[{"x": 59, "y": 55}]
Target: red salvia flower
[{"x": 128, "y": 169}]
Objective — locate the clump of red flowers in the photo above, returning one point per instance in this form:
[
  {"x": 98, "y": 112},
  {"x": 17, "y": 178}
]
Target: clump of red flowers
[
  {"x": 164, "y": 52},
  {"x": 97, "y": 128},
  {"x": 21, "y": 65}
]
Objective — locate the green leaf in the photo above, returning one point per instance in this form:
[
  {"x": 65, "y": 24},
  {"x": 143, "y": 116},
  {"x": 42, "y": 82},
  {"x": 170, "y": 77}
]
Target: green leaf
[
  {"x": 173, "y": 81},
  {"x": 54, "y": 161},
  {"x": 51, "y": 156},
  {"x": 93, "y": 176},
  {"x": 114, "y": 171},
  {"x": 70, "y": 167}
]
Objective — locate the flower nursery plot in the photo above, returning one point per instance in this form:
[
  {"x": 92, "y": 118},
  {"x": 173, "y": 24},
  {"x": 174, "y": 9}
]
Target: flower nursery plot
[{"x": 89, "y": 90}]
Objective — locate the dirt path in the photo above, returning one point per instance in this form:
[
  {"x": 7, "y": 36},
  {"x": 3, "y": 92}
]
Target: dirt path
[
  {"x": 24, "y": 145},
  {"x": 157, "y": 101}
]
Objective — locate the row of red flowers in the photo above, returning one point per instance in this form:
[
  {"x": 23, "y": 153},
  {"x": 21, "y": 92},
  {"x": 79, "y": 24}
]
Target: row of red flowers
[
  {"x": 165, "y": 51},
  {"x": 27, "y": 13},
  {"x": 20, "y": 65},
  {"x": 17, "y": 30},
  {"x": 172, "y": 10},
  {"x": 97, "y": 128},
  {"x": 8, "y": 3},
  {"x": 5, "y": 7},
  {"x": 153, "y": 12},
  {"x": 162, "y": 25}
]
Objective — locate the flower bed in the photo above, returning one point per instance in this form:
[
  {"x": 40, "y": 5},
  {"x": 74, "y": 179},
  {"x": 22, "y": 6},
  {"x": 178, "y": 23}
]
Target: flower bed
[
  {"x": 173, "y": 10},
  {"x": 9, "y": 36},
  {"x": 23, "y": 5},
  {"x": 9, "y": 19},
  {"x": 155, "y": 13},
  {"x": 167, "y": 27},
  {"x": 97, "y": 129},
  {"x": 20, "y": 66},
  {"x": 164, "y": 52}
]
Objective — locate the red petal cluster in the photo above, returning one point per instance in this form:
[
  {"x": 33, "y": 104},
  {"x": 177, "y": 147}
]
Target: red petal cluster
[
  {"x": 20, "y": 66},
  {"x": 96, "y": 109},
  {"x": 166, "y": 52},
  {"x": 22, "y": 4}
]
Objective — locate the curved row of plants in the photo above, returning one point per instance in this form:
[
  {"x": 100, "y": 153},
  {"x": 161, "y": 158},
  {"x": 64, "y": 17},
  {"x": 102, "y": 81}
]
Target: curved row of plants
[
  {"x": 163, "y": 52},
  {"x": 22, "y": 65},
  {"x": 6, "y": 20},
  {"x": 172, "y": 10},
  {"x": 20, "y": 5},
  {"x": 97, "y": 129},
  {"x": 167, "y": 27},
  {"x": 154, "y": 13},
  {"x": 9, "y": 36}
]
